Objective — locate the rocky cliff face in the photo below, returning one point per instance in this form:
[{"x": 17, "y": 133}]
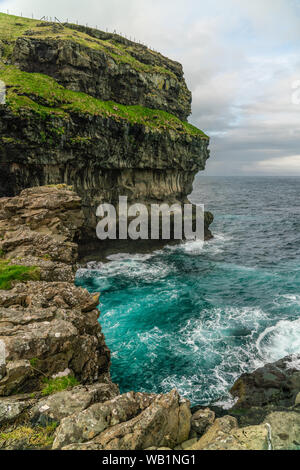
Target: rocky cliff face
[
  {"x": 100, "y": 113},
  {"x": 55, "y": 386},
  {"x": 105, "y": 66},
  {"x": 50, "y": 322}
]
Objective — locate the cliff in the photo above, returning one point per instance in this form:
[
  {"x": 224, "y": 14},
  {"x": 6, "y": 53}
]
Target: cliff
[{"x": 95, "y": 111}]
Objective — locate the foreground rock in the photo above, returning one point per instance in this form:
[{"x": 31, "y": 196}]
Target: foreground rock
[
  {"x": 224, "y": 434},
  {"x": 277, "y": 383},
  {"x": 202, "y": 420},
  {"x": 129, "y": 422},
  {"x": 284, "y": 430}
]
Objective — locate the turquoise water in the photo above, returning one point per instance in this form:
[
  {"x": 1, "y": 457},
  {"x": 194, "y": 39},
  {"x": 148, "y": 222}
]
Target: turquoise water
[{"x": 196, "y": 319}]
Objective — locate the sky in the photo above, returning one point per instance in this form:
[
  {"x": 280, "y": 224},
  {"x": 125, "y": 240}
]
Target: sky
[{"x": 241, "y": 60}]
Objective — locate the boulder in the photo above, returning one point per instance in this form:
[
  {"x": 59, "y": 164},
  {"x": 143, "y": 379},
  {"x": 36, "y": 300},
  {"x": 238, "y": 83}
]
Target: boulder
[
  {"x": 224, "y": 434},
  {"x": 277, "y": 384},
  {"x": 132, "y": 421},
  {"x": 202, "y": 420},
  {"x": 284, "y": 430},
  {"x": 88, "y": 424},
  {"x": 60, "y": 405},
  {"x": 12, "y": 409}
]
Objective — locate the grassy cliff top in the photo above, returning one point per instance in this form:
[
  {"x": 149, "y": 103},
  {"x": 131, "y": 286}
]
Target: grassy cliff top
[
  {"x": 14, "y": 27},
  {"x": 43, "y": 95}
]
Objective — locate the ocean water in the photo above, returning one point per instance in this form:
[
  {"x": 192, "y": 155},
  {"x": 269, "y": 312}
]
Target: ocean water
[{"x": 196, "y": 318}]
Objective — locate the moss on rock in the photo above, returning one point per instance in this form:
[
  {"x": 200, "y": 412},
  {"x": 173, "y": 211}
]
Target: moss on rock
[
  {"x": 44, "y": 96},
  {"x": 10, "y": 273}
]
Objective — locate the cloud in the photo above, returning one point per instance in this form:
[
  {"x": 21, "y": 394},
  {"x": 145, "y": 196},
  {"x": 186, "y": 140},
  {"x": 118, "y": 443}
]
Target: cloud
[
  {"x": 277, "y": 166},
  {"x": 241, "y": 58}
]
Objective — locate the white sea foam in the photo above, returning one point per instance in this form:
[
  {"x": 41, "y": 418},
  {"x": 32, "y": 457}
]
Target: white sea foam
[
  {"x": 214, "y": 340},
  {"x": 194, "y": 247},
  {"x": 129, "y": 268},
  {"x": 130, "y": 256},
  {"x": 292, "y": 298},
  {"x": 280, "y": 340},
  {"x": 198, "y": 247},
  {"x": 294, "y": 363}
]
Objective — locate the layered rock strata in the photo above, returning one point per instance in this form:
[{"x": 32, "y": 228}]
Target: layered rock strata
[{"x": 98, "y": 112}]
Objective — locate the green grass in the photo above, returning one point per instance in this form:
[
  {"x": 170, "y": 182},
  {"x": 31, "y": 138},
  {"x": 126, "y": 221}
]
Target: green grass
[
  {"x": 34, "y": 362},
  {"x": 13, "y": 27},
  {"x": 58, "y": 385},
  {"x": 11, "y": 273},
  {"x": 43, "y": 95},
  {"x": 39, "y": 437}
]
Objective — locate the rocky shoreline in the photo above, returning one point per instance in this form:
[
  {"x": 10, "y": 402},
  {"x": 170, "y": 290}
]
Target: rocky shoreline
[{"x": 55, "y": 386}]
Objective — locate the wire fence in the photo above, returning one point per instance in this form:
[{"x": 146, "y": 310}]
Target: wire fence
[{"x": 54, "y": 19}]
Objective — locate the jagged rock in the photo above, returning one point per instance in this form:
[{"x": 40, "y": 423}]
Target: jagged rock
[
  {"x": 277, "y": 383},
  {"x": 220, "y": 428},
  {"x": 202, "y": 420},
  {"x": 285, "y": 430},
  {"x": 89, "y": 423},
  {"x": 12, "y": 408},
  {"x": 58, "y": 327},
  {"x": 155, "y": 421},
  {"x": 51, "y": 210},
  {"x": 53, "y": 323},
  {"x": 63, "y": 404},
  {"x": 41, "y": 225},
  {"x": 225, "y": 435}
]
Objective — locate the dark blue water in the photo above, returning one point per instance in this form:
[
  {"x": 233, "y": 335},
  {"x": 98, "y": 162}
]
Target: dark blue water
[{"x": 196, "y": 319}]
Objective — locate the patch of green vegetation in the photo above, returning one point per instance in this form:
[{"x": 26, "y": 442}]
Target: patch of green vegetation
[
  {"x": 13, "y": 27},
  {"x": 10, "y": 273},
  {"x": 27, "y": 90},
  {"x": 80, "y": 140},
  {"x": 34, "y": 362},
  {"x": 34, "y": 437},
  {"x": 2, "y": 253},
  {"x": 59, "y": 384}
]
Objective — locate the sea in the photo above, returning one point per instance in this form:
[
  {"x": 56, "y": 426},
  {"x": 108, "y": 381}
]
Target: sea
[{"x": 195, "y": 317}]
